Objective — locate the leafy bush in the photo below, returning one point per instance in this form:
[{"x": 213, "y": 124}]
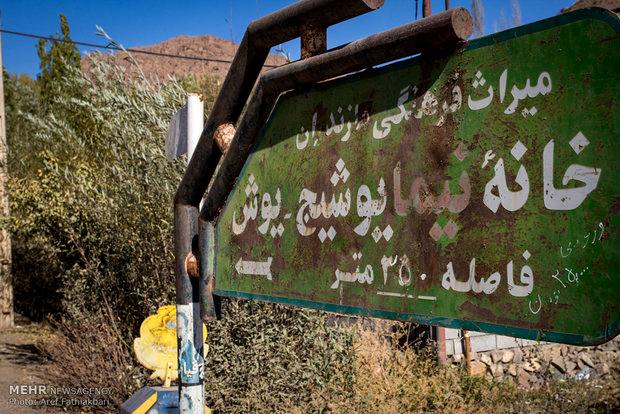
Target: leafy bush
[
  {"x": 91, "y": 194},
  {"x": 264, "y": 357}
]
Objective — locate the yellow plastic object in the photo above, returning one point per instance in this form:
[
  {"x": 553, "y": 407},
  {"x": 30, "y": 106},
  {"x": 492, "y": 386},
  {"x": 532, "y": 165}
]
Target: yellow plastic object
[{"x": 156, "y": 348}]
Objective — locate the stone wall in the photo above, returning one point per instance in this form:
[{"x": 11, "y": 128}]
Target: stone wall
[{"x": 530, "y": 366}]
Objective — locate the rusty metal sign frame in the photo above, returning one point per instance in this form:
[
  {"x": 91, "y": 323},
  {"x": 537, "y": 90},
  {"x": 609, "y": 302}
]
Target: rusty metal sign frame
[
  {"x": 193, "y": 238},
  {"x": 195, "y": 234},
  {"x": 192, "y": 290},
  {"x": 210, "y": 213}
]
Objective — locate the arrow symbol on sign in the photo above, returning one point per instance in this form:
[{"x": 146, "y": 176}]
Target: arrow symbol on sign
[{"x": 247, "y": 267}]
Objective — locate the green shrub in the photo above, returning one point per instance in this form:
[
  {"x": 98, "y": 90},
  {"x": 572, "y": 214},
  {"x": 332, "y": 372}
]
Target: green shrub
[
  {"x": 265, "y": 357},
  {"x": 91, "y": 193}
]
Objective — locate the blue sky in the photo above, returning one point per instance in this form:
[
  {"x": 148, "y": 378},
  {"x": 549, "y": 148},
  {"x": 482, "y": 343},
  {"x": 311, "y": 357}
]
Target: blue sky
[{"x": 146, "y": 22}]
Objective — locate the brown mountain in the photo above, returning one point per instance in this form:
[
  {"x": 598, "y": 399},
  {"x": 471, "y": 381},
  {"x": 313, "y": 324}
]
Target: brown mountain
[
  {"x": 582, "y": 4},
  {"x": 159, "y": 67}
]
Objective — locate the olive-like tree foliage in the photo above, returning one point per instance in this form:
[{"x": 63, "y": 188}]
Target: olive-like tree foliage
[{"x": 91, "y": 193}]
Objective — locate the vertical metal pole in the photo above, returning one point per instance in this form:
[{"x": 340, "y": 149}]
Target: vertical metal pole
[
  {"x": 426, "y": 8},
  {"x": 259, "y": 37},
  {"x": 467, "y": 352},
  {"x": 440, "y": 334},
  {"x": 209, "y": 306},
  {"x": 6, "y": 279},
  {"x": 313, "y": 41},
  {"x": 447, "y": 4},
  {"x": 195, "y": 122},
  {"x": 189, "y": 324}
]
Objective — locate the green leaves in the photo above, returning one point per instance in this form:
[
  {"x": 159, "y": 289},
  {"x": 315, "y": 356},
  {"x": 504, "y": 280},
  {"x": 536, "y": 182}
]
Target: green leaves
[
  {"x": 270, "y": 356},
  {"x": 89, "y": 177},
  {"x": 56, "y": 61}
]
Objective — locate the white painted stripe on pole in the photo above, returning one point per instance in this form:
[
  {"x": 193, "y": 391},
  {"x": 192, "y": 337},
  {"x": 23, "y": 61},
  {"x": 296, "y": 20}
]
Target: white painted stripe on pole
[{"x": 191, "y": 400}]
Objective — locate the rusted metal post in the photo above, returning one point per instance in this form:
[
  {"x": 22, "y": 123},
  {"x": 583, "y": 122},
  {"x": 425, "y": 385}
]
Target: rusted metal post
[
  {"x": 467, "y": 350},
  {"x": 209, "y": 303},
  {"x": 442, "y": 31},
  {"x": 426, "y": 8},
  {"x": 441, "y": 344},
  {"x": 313, "y": 41},
  {"x": 262, "y": 34},
  {"x": 271, "y": 30},
  {"x": 189, "y": 323}
]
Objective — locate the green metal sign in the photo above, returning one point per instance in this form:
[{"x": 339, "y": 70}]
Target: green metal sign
[{"x": 478, "y": 191}]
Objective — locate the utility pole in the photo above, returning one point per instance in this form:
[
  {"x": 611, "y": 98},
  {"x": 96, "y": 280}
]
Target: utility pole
[{"x": 6, "y": 279}]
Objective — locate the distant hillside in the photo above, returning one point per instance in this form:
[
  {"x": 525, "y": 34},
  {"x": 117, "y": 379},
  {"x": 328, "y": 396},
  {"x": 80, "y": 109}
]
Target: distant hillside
[
  {"x": 581, "y": 4},
  {"x": 158, "y": 67}
]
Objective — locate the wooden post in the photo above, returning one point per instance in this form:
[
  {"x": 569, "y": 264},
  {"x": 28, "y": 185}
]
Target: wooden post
[{"x": 6, "y": 282}]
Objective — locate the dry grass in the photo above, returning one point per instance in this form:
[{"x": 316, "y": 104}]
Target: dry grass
[
  {"x": 90, "y": 352},
  {"x": 393, "y": 379},
  {"x": 387, "y": 378}
]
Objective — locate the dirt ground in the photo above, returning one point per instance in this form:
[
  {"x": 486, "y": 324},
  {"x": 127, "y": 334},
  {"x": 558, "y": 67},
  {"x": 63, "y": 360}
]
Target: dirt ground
[{"x": 21, "y": 364}]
